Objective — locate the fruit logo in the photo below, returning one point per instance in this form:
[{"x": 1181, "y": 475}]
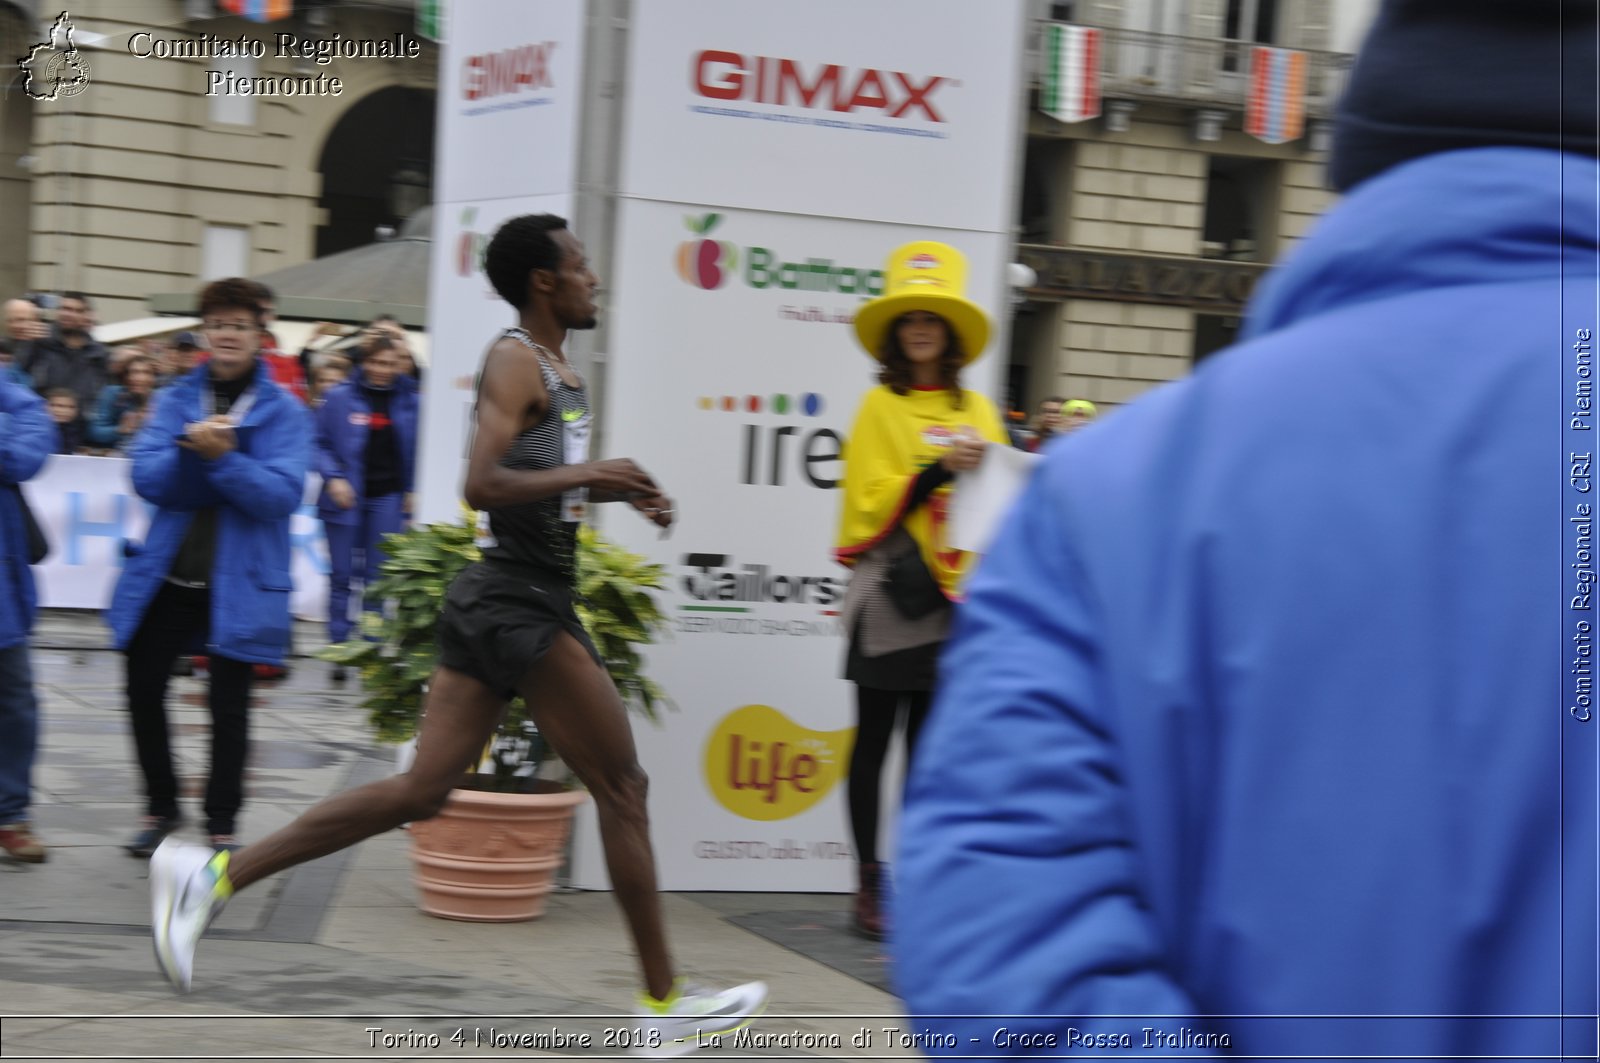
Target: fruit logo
[
  {"x": 706, "y": 263},
  {"x": 762, "y": 765},
  {"x": 470, "y": 246}
]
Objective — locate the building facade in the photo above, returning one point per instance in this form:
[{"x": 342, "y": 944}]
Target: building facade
[
  {"x": 1149, "y": 223},
  {"x": 170, "y": 166}
]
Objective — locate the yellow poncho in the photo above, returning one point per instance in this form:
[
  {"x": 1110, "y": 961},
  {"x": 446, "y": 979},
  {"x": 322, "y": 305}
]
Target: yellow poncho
[{"x": 894, "y": 438}]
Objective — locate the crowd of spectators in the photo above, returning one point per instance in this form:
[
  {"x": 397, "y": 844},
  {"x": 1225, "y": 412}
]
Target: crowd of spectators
[{"x": 100, "y": 397}]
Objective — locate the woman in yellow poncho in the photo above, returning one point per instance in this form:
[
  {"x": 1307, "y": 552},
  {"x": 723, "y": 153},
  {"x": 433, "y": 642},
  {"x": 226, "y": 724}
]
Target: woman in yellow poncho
[{"x": 912, "y": 434}]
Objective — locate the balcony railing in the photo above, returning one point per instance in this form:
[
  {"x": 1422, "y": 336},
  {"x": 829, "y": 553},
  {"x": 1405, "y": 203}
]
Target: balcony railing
[{"x": 1135, "y": 64}]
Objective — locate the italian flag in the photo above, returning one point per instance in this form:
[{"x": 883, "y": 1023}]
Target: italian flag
[{"x": 1071, "y": 83}]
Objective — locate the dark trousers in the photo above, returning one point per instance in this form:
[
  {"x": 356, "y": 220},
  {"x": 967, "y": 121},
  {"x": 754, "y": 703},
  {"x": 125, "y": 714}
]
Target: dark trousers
[
  {"x": 876, "y": 713},
  {"x": 179, "y": 618}
]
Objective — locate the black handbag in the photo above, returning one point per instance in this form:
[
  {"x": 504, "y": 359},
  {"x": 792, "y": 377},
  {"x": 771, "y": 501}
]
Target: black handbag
[
  {"x": 38, "y": 545},
  {"x": 911, "y": 587}
]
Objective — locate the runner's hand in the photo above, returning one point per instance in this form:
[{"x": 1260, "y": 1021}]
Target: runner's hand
[
  {"x": 622, "y": 478},
  {"x": 657, "y": 509},
  {"x": 343, "y": 495}
]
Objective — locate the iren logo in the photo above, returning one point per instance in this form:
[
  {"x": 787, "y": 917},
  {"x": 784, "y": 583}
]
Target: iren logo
[
  {"x": 816, "y": 447},
  {"x": 722, "y": 75},
  {"x": 760, "y": 764}
]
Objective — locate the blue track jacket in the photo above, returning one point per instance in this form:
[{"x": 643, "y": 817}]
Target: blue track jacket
[
  {"x": 1261, "y": 704},
  {"x": 255, "y": 489},
  {"x": 27, "y": 439},
  {"x": 342, "y": 440}
]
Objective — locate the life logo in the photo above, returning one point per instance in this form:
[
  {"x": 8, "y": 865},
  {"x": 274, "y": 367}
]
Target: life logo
[
  {"x": 765, "y": 452},
  {"x": 470, "y": 245},
  {"x": 759, "y": 764},
  {"x": 707, "y": 264}
]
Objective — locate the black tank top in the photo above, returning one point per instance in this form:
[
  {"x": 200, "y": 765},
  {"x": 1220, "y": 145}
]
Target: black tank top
[{"x": 543, "y": 534}]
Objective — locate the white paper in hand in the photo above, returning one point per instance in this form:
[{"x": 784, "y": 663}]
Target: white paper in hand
[{"x": 983, "y": 496}]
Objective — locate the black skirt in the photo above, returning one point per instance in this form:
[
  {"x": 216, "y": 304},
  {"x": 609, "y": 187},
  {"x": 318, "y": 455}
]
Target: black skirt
[{"x": 913, "y": 669}]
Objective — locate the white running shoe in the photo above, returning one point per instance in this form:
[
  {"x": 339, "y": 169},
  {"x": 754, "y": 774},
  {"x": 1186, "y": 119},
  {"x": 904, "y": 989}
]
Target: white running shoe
[
  {"x": 692, "y": 1014},
  {"x": 188, "y": 887}
]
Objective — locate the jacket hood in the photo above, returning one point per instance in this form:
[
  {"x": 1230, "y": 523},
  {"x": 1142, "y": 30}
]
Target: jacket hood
[{"x": 1475, "y": 217}]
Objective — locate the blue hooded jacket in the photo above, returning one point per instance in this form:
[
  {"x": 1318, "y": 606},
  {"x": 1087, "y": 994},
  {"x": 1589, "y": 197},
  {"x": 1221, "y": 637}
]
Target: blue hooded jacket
[
  {"x": 27, "y": 439},
  {"x": 1260, "y": 704},
  {"x": 342, "y": 440},
  {"x": 254, "y": 489}
]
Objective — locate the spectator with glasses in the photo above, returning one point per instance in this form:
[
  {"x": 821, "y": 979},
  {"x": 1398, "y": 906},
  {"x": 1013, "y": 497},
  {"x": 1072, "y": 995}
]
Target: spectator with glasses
[{"x": 223, "y": 458}]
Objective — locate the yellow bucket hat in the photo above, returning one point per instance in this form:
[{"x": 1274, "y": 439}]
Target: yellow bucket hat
[{"x": 925, "y": 275}]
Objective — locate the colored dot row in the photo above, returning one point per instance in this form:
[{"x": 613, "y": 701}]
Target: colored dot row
[{"x": 809, "y": 404}]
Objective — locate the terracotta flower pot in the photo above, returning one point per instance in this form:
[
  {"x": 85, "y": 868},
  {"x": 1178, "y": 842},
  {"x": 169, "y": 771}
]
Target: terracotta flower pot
[{"x": 491, "y": 857}]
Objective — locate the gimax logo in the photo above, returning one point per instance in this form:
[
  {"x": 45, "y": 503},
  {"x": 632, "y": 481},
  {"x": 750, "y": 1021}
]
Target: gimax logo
[
  {"x": 526, "y": 67},
  {"x": 761, "y": 765},
  {"x": 721, "y": 75}
]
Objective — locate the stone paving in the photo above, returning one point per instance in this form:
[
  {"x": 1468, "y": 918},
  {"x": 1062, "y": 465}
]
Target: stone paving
[{"x": 333, "y": 960}]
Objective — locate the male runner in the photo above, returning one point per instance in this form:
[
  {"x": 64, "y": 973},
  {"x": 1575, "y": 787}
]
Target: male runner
[{"x": 508, "y": 627}]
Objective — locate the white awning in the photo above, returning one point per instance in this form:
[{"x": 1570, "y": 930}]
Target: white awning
[{"x": 141, "y": 328}]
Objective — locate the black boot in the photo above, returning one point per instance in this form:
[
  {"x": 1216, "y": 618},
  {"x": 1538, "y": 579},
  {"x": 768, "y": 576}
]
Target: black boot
[{"x": 869, "y": 901}]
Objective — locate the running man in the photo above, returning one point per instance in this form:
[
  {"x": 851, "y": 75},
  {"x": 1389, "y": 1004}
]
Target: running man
[{"x": 508, "y": 627}]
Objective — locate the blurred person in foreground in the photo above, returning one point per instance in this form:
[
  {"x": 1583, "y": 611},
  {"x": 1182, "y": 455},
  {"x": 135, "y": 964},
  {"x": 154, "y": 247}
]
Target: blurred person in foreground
[
  {"x": 912, "y": 434},
  {"x": 1260, "y": 705},
  {"x": 27, "y": 438},
  {"x": 223, "y": 459},
  {"x": 22, "y": 327}
]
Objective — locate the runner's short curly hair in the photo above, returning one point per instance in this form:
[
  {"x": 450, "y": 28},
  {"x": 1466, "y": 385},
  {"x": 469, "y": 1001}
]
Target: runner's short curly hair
[{"x": 519, "y": 247}]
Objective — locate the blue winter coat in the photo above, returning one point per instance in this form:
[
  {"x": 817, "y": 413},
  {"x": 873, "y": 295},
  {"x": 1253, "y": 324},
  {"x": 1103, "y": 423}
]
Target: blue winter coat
[
  {"x": 342, "y": 440},
  {"x": 254, "y": 489},
  {"x": 27, "y": 439},
  {"x": 1261, "y": 703}
]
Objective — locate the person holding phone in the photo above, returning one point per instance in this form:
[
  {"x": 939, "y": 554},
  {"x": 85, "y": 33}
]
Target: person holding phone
[{"x": 223, "y": 459}]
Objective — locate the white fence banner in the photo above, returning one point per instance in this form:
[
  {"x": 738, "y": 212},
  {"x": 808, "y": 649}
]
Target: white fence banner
[{"x": 88, "y": 509}]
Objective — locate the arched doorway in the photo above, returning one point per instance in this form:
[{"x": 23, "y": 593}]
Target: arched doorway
[{"x": 377, "y": 167}]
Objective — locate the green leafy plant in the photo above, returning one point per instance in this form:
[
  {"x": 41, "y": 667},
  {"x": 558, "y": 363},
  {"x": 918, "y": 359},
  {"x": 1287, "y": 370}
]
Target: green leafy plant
[{"x": 398, "y": 654}]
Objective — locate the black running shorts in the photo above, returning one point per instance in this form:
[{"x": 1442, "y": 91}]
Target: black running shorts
[{"x": 499, "y": 620}]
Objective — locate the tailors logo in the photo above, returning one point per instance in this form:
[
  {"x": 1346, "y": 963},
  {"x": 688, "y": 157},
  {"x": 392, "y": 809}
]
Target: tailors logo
[
  {"x": 508, "y": 72},
  {"x": 761, "y": 79},
  {"x": 470, "y": 245},
  {"x": 714, "y": 578},
  {"x": 764, "y": 451},
  {"x": 55, "y": 69},
  {"x": 707, "y": 264},
  {"x": 760, "y": 764}
]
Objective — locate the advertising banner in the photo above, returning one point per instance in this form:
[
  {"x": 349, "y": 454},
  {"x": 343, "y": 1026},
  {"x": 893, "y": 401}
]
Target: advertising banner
[
  {"x": 509, "y": 96},
  {"x": 509, "y": 90},
  {"x": 88, "y": 509},
  {"x": 464, "y": 316},
  {"x": 734, "y": 380},
  {"x": 894, "y": 111}
]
